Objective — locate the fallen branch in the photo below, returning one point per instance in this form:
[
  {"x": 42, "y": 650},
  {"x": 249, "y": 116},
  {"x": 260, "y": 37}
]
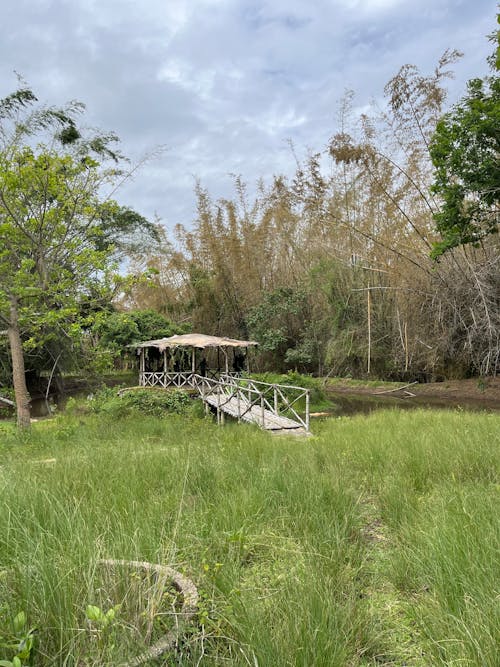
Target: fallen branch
[
  {"x": 390, "y": 391},
  {"x": 7, "y": 401},
  {"x": 189, "y": 606}
]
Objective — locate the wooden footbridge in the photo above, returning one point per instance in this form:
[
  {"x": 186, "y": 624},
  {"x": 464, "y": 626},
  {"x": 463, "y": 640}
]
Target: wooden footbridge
[{"x": 273, "y": 407}]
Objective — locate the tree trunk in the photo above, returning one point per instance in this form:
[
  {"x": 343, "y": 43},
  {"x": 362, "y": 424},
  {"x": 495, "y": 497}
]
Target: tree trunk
[{"x": 18, "y": 374}]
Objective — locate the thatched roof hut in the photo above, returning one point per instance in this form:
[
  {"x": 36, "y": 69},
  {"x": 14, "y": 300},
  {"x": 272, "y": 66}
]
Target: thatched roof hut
[{"x": 193, "y": 342}]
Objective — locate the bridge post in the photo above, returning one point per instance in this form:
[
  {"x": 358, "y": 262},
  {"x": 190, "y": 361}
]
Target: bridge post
[
  {"x": 275, "y": 400},
  {"x": 307, "y": 410}
]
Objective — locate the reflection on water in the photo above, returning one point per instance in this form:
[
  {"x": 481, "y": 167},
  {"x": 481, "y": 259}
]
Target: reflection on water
[{"x": 56, "y": 403}]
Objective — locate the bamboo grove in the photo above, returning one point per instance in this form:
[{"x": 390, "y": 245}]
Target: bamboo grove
[{"x": 331, "y": 270}]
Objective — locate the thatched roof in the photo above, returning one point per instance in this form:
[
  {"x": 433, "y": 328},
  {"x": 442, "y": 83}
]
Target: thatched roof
[{"x": 197, "y": 340}]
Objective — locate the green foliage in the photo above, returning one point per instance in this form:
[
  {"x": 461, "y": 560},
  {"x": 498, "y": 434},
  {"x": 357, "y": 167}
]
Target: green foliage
[
  {"x": 48, "y": 202},
  {"x": 115, "y": 331},
  {"x": 59, "y": 232},
  {"x": 125, "y": 230},
  {"x": 278, "y": 324},
  {"x": 152, "y": 402},
  {"x": 291, "y": 377},
  {"x": 99, "y": 617},
  {"x": 18, "y": 641},
  {"x": 315, "y": 385},
  {"x": 464, "y": 150},
  {"x": 152, "y": 324},
  {"x": 158, "y": 403},
  {"x": 6, "y": 392}
]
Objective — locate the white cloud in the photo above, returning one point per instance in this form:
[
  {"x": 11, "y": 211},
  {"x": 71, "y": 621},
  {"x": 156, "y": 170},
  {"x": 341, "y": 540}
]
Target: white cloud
[
  {"x": 181, "y": 73},
  {"x": 275, "y": 120},
  {"x": 225, "y": 83},
  {"x": 374, "y": 5}
]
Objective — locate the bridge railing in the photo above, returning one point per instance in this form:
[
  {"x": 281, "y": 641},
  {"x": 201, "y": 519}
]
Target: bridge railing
[
  {"x": 220, "y": 393},
  {"x": 281, "y": 400},
  {"x": 175, "y": 379}
]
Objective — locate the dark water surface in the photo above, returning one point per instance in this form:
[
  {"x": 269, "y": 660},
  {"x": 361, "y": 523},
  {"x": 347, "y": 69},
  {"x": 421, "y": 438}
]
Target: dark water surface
[{"x": 352, "y": 404}]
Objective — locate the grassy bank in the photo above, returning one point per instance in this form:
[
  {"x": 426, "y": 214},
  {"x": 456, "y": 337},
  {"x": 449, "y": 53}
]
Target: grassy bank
[{"x": 373, "y": 543}]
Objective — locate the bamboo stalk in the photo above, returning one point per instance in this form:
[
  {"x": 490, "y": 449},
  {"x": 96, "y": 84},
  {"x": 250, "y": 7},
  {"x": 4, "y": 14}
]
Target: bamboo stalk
[{"x": 368, "y": 312}]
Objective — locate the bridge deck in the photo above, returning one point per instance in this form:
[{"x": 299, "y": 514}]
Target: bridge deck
[{"x": 254, "y": 414}]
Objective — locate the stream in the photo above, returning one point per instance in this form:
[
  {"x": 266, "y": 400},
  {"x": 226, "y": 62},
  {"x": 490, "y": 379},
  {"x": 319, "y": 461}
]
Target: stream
[
  {"x": 344, "y": 405},
  {"x": 352, "y": 404}
]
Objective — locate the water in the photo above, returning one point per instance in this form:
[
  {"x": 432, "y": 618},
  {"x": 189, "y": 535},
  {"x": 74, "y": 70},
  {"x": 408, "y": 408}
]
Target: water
[
  {"x": 343, "y": 404},
  {"x": 353, "y": 404}
]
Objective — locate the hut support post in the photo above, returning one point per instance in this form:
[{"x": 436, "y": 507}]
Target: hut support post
[
  {"x": 142, "y": 365},
  {"x": 204, "y": 386},
  {"x": 226, "y": 360}
]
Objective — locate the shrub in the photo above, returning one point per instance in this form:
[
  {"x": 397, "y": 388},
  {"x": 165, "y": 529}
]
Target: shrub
[
  {"x": 153, "y": 402},
  {"x": 158, "y": 402},
  {"x": 297, "y": 380}
]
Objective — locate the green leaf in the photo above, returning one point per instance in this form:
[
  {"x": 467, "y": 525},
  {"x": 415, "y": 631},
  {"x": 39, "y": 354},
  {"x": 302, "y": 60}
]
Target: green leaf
[
  {"x": 19, "y": 622},
  {"x": 93, "y": 613},
  {"x": 110, "y": 614}
]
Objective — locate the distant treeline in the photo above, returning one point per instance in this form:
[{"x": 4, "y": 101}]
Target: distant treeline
[{"x": 335, "y": 269}]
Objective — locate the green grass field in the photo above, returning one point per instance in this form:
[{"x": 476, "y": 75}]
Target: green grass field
[{"x": 375, "y": 542}]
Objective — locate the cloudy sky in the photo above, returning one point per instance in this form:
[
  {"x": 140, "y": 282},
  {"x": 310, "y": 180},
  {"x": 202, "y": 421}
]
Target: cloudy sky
[{"x": 224, "y": 85}]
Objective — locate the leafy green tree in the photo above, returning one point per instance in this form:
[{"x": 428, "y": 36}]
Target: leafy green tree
[
  {"x": 277, "y": 323},
  {"x": 56, "y": 229},
  {"x": 465, "y": 151},
  {"x": 126, "y": 231},
  {"x": 118, "y": 330}
]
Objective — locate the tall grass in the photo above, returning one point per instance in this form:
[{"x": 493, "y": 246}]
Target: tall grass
[{"x": 374, "y": 542}]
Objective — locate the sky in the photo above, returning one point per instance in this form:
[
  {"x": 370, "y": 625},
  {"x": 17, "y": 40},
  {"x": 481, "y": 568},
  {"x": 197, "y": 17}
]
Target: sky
[{"x": 224, "y": 86}]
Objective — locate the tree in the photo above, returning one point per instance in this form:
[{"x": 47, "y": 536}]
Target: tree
[
  {"x": 54, "y": 256},
  {"x": 465, "y": 151},
  {"x": 118, "y": 330},
  {"x": 277, "y": 323}
]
